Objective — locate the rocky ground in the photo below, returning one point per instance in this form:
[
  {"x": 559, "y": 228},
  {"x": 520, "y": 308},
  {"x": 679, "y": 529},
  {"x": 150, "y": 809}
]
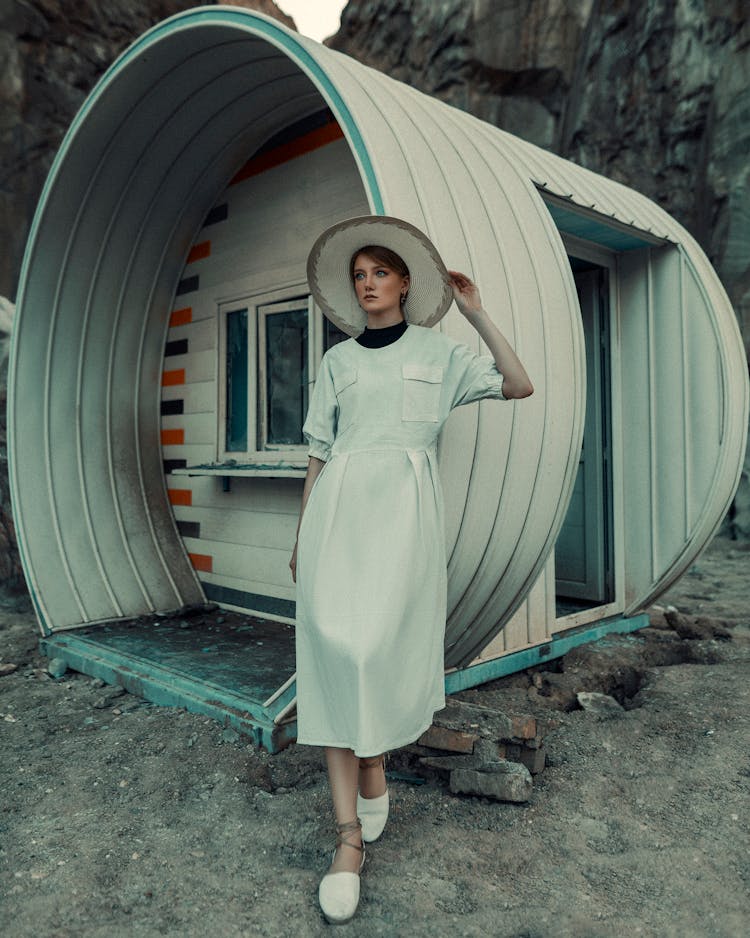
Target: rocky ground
[{"x": 123, "y": 818}]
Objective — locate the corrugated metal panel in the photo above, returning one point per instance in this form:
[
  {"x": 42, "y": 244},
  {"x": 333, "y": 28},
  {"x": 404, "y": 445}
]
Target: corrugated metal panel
[
  {"x": 133, "y": 179},
  {"x": 684, "y": 413},
  {"x": 589, "y": 190},
  {"x": 685, "y": 392},
  {"x": 505, "y": 469},
  {"x": 157, "y": 140}
]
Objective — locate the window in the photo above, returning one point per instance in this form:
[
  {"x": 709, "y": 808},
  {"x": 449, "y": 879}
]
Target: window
[
  {"x": 283, "y": 353},
  {"x": 270, "y": 349}
]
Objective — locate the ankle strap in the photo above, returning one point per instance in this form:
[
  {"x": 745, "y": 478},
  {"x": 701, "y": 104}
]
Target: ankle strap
[{"x": 346, "y": 828}]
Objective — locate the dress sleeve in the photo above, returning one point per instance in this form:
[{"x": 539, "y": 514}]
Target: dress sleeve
[
  {"x": 472, "y": 377},
  {"x": 319, "y": 428}
]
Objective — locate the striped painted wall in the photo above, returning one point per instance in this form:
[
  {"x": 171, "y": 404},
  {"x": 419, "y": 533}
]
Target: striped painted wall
[{"x": 254, "y": 240}]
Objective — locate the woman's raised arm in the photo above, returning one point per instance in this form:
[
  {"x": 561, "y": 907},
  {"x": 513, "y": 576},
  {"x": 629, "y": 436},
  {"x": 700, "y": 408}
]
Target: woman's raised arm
[{"x": 516, "y": 382}]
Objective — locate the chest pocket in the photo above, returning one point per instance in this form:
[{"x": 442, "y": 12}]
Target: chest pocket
[
  {"x": 422, "y": 386},
  {"x": 344, "y": 384}
]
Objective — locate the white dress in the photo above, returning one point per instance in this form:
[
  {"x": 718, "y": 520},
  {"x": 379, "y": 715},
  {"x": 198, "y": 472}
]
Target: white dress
[{"x": 371, "y": 566}]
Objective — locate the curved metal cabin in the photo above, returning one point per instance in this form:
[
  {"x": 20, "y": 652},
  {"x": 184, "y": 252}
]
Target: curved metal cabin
[{"x": 592, "y": 283}]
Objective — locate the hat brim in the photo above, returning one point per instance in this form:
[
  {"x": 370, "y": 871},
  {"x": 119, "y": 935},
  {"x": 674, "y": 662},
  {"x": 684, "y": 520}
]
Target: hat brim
[{"x": 329, "y": 277}]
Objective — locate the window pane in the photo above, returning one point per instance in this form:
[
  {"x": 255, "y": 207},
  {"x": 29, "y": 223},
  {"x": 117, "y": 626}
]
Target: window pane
[
  {"x": 236, "y": 425},
  {"x": 333, "y": 335},
  {"x": 286, "y": 376}
]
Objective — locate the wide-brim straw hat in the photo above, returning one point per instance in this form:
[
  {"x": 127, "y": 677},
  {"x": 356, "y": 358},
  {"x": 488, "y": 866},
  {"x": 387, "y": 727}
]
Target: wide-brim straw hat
[{"x": 329, "y": 275}]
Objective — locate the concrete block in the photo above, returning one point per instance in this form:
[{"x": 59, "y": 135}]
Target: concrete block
[
  {"x": 534, "y": 759},
  {"x": 441, "y": 737},
  {"x": 487, "y": 722}
]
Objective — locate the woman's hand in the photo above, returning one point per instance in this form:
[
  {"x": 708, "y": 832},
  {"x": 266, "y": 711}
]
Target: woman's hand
[
  {"x": 293, "y": 563},
  {"x": 516, "y": 382},
  {"x": 465, "y": 292}
]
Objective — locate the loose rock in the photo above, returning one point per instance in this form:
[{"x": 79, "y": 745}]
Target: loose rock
[
  {"x": 501, "y": 780},
  {"x": 110, "y": 694},
  {"x": 700, "y": 628},
  {"x": 602, "y": 704},
  {"x": 57, "y": 667}
]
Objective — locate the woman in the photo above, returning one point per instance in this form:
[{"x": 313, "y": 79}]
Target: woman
[{"x": 370, "y": 562}]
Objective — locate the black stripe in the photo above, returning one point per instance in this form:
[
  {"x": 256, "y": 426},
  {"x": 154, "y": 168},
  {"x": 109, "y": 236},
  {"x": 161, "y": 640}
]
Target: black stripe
[
  {"x": 170, "y": 464},
  {"x": 188, "y": 285},
  {"x": 217, "y": 213},
  {"x": 297, "y": 129},
  {"x": 172, "y": 407},
  {"x": 250, "y": 601},
  {"x": 178, "y": 347},
  {"x": 189, "y": 528}
]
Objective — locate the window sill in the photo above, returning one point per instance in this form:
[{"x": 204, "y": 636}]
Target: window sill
[{"x": 293, "y": 469}]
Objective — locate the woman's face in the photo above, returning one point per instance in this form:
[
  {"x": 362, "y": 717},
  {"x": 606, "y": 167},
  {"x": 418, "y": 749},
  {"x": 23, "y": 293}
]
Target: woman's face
[{"x": 378, "y": 287}]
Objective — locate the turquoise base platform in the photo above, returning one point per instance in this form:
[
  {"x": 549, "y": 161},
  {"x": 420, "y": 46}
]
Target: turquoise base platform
[
  {"x": 242, "y": 675},
  {"x": 561, "y": 643},
  {"x": 238, "y": 674}
]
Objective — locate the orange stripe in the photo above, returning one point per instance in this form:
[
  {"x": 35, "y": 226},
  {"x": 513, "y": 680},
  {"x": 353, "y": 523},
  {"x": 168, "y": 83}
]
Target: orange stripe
[
  {"x": 288, "y": 151},
  {"x": 202, "y": 562},
  {"x": 172, "y": 437},
  {"x": 180, "y": 496},
  {"x": 199, "y": 251},
  {"x": 181, "y": 316},
  {"x": 169, "y": 378}
]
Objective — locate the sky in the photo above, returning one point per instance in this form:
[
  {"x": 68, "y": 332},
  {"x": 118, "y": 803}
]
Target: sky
[{"x": 317, "y": 19}]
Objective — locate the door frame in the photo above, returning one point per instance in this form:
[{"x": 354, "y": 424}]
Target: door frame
[
  {"x": 583, "y": 570},
  {"x": 604, "y": 257}
]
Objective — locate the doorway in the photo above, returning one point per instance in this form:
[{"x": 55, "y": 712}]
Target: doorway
[{"x": 584, "y": 576}]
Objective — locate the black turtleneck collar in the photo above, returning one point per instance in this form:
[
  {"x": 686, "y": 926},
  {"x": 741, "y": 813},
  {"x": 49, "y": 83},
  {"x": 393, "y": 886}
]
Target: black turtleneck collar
[{"x": 377, "y": 338}]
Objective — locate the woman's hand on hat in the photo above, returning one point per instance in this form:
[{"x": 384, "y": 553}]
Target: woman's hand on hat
[{"x": 465, "y": 293}]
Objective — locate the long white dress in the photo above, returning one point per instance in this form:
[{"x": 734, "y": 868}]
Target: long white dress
[{"x": 371, "y": 565}]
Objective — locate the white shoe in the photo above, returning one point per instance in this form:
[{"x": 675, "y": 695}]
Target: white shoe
[
  {"x": 373, "y": 811},
  {"x": 374, "y": 814},
  {"x": 338, "y": 893}
]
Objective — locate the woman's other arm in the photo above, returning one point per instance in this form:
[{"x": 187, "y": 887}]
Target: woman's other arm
[
  {"x": 516, "y": 382},
  {"x": 314, "y": 467}
]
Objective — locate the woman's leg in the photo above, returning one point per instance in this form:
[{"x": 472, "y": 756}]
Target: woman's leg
[
  {"x": 343, "y": 772},
  {"x": 372, "y": 782}
]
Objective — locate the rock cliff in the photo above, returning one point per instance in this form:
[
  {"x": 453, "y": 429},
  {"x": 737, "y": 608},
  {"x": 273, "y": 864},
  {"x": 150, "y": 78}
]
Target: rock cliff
[
  {"x": 10, "y": 562},
  {"x": 652, "y": 93},
  {"x": 51, "y": 54}
]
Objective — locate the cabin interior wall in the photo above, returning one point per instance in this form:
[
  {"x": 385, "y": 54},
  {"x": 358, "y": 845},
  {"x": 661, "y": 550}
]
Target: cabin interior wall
[{"x": 252, "y": 250}]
